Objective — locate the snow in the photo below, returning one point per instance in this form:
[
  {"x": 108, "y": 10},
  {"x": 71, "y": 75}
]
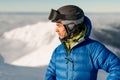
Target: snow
[
  {"x": 26, "y": 51},
  {"x": 41, "y": 36}
]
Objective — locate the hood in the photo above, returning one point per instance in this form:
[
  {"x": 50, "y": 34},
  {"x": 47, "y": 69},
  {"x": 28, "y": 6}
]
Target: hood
[{"x": 89, "y": 26}]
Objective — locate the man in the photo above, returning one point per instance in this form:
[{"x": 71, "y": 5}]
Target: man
[{"x": 78, "y": 57}]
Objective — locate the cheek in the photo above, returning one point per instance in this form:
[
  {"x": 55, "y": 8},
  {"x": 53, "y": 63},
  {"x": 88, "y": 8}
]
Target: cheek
[{"x": 64, "y": 31}]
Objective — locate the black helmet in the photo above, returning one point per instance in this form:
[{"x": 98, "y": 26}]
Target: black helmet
[{"x": 70, "y": 15}]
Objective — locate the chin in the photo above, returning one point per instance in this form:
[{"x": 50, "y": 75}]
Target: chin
[{"x": 61, "y": 37}]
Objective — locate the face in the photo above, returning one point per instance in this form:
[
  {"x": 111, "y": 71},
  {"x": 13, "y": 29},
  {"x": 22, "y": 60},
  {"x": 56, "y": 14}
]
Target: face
[{"x": 60, "y": 29}]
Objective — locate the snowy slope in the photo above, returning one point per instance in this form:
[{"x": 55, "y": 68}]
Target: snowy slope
[{"x": 41, "y": 36}]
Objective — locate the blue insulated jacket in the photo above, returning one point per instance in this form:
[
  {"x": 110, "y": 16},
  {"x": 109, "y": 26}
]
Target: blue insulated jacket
[{"x": 83, "y": 61}]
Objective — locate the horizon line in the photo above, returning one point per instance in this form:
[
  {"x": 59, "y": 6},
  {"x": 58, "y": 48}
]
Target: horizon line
[{"x": 22, "y": 12}]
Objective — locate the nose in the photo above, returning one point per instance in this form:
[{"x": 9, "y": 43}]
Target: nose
[{"x": 57, "y": 29}]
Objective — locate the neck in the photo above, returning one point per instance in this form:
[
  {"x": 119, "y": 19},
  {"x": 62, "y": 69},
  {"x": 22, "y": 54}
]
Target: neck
[{"x": 72, "y": 41}]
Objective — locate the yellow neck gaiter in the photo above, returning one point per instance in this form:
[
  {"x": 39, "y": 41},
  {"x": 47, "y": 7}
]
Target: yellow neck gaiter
[{"x": 70, "y": 43}]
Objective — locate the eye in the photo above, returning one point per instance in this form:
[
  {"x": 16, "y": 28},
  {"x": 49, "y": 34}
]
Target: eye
[{"x": 59, "y": 24}]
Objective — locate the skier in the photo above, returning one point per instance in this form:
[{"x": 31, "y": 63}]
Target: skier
[{"x": 78, "y": 57}]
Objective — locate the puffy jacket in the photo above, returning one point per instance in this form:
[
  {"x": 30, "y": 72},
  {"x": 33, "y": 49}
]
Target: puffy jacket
[{"x": 83, "y": 61}]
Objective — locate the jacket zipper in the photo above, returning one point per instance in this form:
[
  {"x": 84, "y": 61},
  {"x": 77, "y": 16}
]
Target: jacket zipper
[{"x": 71, "y": 61}]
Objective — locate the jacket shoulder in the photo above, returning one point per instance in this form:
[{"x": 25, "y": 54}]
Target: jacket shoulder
[
  {"x": 94, "y": 47},
  {"x": 59, "y": 49},
  {"x": 91, "y": 43}
]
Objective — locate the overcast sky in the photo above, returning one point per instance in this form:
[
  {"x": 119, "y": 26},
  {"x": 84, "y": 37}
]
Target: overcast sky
[{"x": 46, "y": 5}]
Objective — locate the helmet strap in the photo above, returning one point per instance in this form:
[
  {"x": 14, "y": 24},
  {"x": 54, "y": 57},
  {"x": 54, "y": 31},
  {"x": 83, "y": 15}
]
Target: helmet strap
[{"x": 72, "y": 28}]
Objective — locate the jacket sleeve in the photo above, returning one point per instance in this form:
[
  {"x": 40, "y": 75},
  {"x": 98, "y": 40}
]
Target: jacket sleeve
[
  {"x": 50, "y": 72},
  {"x": 108, "y": 61}
]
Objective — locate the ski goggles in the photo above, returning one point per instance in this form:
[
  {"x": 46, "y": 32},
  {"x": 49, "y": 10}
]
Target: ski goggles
[{"x": 56, "y": 16}]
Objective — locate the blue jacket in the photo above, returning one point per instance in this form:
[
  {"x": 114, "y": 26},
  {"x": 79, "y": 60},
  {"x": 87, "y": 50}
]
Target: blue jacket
[{"x": 83, "y": 61}]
